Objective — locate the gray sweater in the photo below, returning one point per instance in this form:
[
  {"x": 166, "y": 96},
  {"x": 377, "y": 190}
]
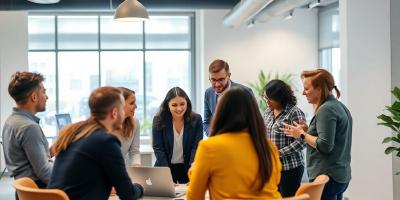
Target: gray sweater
[
  {"x": 26, "y": 149},
  {"x": 332, "y": 124}
]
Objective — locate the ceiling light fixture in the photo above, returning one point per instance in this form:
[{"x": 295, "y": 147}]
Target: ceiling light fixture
[
  {"x": 251, "y": 23},
  {"x": 289, "y": 15},
  {"x": 131, "y": 10},
  {"x": 44, "y": 1},
  {"x": 314, "y": 4}
]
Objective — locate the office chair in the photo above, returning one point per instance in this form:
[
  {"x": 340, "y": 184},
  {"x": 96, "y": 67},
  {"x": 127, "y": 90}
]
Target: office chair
[
  {"x": 315, "y": 188},
  {"x": 28, "y": 190}
]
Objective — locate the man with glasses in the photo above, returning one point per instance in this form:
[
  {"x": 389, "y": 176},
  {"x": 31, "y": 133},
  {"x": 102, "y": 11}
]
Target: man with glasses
[{"x": 219, "y": 77}]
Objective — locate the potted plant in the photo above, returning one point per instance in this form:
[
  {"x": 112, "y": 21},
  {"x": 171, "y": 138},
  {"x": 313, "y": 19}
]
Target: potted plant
[
  {"x": 263, "y": 79},
  {"x": 392, "y": 121}
]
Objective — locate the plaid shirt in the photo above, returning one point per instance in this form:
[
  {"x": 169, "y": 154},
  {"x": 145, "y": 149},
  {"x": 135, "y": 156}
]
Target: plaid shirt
[{"x": 290, "y": 149}]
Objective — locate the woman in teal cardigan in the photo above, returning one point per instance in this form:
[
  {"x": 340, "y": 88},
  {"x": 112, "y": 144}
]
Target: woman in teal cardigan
[{"x": 329, "y": 134}]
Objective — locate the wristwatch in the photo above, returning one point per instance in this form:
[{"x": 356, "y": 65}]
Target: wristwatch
[{"x": 303, "y": 135}]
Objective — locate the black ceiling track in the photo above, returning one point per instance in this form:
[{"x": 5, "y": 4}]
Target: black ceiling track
[{"x": 93, "y": 5}]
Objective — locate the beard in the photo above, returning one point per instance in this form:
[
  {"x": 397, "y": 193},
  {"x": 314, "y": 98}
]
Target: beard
[{"x": 117, "y": 125}]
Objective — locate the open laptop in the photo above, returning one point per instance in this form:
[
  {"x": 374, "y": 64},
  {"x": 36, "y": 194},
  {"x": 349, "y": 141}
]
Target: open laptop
[
  {"x": 157, "y": 181},
  {"x": 62, "y": 120}
]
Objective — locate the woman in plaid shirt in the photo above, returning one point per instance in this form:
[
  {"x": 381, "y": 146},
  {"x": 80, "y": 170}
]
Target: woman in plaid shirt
[{"x": 282, "y": 108}]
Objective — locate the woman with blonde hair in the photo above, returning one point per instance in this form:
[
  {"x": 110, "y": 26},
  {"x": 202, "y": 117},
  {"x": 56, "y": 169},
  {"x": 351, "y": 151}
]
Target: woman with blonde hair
[
  {"x": 329, "y": 134},
  {"x": 130, "y": 140},
  {"x": 236, "y": 161}
]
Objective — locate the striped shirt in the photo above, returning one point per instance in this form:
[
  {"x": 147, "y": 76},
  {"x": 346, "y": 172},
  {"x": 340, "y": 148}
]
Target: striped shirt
[{"x": 290, "y": 149}]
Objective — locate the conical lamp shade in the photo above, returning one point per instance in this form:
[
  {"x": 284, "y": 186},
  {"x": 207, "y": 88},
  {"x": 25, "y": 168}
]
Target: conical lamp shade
[
  {"x": 44, "y": 1},
  {"x": 131, "y": 10}
]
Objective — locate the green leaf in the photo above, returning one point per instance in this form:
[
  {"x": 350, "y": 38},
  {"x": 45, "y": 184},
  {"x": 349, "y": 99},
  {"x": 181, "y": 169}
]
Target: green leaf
[
  {"x": 397, "y": 173},
  {"x": 395, "y": 139},
  {"x": 396, "y": 92},
  {"x": 390, "y": 126},
  {"x": 389, "y": 150},
  {"x": 396, "y": 105},
  {"x": 387, "y": 139},
  {"x": 385, "y": 118}
]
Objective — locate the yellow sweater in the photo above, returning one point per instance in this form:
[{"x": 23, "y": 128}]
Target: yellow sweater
[{"x": 227, "y": 165}]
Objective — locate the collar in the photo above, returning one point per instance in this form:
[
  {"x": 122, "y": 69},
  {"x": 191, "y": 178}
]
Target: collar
[{"x": 26, "y": 114}]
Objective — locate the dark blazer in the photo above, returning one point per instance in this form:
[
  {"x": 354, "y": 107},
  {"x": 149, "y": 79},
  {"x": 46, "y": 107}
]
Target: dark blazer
[
  {"x": 163, "y": 140},
  {"x": 90, "y": 167},
  {"x": 210, "y": 102}
]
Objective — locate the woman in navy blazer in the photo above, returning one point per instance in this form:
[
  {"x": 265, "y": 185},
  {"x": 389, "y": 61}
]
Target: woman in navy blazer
[{"x": 177, "y": 131}]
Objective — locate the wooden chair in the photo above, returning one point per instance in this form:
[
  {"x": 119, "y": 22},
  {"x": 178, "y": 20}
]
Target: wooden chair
[
  {"x": 315, "y": 188},
  {"x": 28, "y": 190},
  {"x": 299, "y": 197}
]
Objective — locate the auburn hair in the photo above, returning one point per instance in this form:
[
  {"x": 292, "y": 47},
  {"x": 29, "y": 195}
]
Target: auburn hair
[
  {"x": 321, "y": 78},
  {"x": 101, "y": 102},
  {"x": 128, "y": 124}
]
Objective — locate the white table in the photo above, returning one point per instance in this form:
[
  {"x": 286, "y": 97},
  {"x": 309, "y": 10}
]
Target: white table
[{"x": 180, "y": 188}]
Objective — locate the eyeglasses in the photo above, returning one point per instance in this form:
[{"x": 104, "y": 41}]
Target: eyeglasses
[
  {"x": 266, "y": 98},
  {"x": 220, "y": 80}
]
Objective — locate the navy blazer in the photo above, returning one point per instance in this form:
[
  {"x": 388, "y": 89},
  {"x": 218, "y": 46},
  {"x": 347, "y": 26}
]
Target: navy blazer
[
  {"x": 163, "y": 141},
  {"x": 210, "y": 102}
]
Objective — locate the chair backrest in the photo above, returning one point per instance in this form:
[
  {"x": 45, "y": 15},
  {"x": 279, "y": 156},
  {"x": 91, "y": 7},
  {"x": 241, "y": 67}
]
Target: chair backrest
[
  {"x": 28, "y": 190},
  {"x": 315, "y": 188},
  {"x": 299, "y": 197}
]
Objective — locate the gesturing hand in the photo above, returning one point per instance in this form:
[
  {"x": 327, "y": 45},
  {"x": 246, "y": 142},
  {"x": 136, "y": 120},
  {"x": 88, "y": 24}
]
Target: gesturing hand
[{"x": 293, "y": 131}]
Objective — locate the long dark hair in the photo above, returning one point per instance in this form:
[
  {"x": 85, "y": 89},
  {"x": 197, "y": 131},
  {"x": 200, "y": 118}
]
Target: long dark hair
[
  {"x": 237, "y": 110},
  {"x": 164, "y": 113},
  {"x": 101, "y": 102},
  {"x": 128, "y": 125},
  {"x": 281, "y": 92}
]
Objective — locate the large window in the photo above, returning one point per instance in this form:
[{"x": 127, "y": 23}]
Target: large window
[
  {"x": 329, "y": 49},
  {"x": 78, "y": 53}
]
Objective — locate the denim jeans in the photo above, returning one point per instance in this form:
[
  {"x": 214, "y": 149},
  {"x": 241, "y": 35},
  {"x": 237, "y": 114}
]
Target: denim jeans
[{"x": 334, "y": 190}]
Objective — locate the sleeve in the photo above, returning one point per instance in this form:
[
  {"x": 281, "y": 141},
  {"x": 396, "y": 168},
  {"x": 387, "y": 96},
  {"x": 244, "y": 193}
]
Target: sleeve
[
  {"x": 134, "y": 149},
  {"x": 326, "y": 128},
  {"x": 277, "y": 165},
  {"x": 199, "y": 137},
  {"x": 199, "y": 173},
  {"x": 207, "y": 114},
  {"x": 297, "y": 145},
  {"x": 158, "y": 146},
  {"x": 114, "y": 168},
  {"x": 37, "y": 152}
]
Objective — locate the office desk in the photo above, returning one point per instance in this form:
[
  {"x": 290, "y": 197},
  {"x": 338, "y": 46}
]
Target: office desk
[{"x": 180, "y": 188}]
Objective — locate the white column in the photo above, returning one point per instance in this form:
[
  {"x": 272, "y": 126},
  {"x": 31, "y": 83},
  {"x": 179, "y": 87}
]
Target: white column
[
  {"x": 13, "y": 57},
  {"x": 395, "y": 44},
  {"x": 366, "y": 64}
]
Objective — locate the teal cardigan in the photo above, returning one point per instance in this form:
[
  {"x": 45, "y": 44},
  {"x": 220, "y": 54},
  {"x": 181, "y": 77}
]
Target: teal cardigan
[{"x": 332, "y": 125}]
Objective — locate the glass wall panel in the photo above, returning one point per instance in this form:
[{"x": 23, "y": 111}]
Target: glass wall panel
[
  {"x": 41, "y": 30},
  {"x": 168, "y": 32},
  {"x": 78, "y": 77},
  {"x": 124, "y": 68},
  {"x": 120, "y": 35},
  {"x": 78, "y": 32}
]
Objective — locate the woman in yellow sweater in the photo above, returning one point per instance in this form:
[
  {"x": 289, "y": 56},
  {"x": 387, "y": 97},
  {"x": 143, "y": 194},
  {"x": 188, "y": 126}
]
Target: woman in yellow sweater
[{"x": 236, "y": 162}]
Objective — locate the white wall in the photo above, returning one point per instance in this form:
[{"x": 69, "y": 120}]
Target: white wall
[
  {"x": 278, "y": 45},
  {"x": 365, "y": 44},
  {"x": 13, "y": 57}
]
